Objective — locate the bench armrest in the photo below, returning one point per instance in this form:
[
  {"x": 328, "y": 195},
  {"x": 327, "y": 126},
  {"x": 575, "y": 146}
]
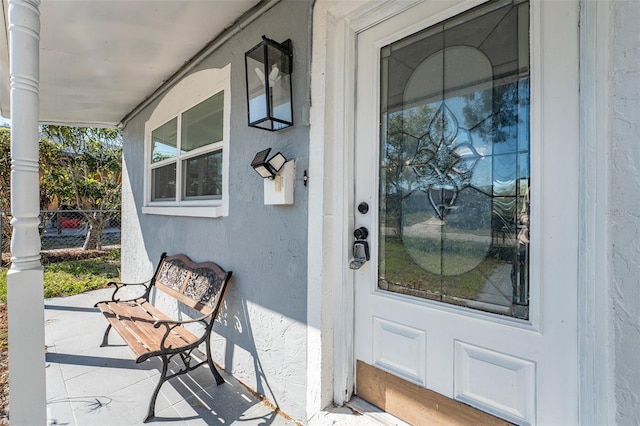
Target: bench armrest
[
  {"x": 119, "y": 285},
  {"x": 171, "y": 324}
]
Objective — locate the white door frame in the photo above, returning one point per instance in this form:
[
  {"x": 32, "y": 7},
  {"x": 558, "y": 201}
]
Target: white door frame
[
  {"x": 330, "y": 300},
  {"x": 330, "y": 297},
  {"x": 595, "y": 332}
]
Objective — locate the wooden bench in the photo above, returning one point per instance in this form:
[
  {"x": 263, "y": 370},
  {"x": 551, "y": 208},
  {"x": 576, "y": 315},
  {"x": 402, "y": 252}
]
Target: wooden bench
[{"x": 150, "y": 333}]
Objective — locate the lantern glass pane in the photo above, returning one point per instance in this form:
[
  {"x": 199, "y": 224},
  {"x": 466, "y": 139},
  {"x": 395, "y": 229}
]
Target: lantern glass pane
[
  {"x": 267, "y": 125},
  {"x": 280, "y": 87},
  {"x": 256, "y": 87}
]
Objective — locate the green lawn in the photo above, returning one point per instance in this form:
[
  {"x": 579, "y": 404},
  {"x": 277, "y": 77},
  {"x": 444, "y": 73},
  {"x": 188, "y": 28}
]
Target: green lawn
[
  {"x": 64, "y": 278},
  {"x": 73, "y": 277}
]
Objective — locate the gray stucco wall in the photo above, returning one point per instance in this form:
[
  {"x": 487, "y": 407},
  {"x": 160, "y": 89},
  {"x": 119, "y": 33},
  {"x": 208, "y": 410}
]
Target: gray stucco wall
[
  {"x": 625, "y": 210},
  {"x": 261, "y": 335}
]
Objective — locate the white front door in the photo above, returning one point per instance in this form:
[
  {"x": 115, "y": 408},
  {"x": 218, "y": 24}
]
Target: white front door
[{"x": 466, "y": 157}]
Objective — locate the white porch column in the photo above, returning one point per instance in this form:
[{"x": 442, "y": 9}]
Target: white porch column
[{"x": 27, "y": 398}]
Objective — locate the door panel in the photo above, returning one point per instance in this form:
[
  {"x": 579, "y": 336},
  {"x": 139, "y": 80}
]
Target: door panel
[{"x": 456, "y": 136}]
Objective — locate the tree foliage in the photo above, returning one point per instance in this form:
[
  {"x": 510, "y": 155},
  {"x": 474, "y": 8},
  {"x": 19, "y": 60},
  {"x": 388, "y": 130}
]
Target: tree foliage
[
  {"x": 89, "y": 174},
  {"x": 80, "y": 168},
  {"x": 5, "y": 168},
  {"x": 426, "y": 148},
  {"x": 49, "y": 153},
  {"x": 5, "y": 187}
]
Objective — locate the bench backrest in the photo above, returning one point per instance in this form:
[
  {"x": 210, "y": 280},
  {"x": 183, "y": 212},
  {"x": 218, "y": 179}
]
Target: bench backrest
[{"x": 199, "y": 285}]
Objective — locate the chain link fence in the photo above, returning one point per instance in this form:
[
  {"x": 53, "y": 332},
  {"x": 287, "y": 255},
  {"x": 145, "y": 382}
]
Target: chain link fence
[{"x": 70, "y": 229}]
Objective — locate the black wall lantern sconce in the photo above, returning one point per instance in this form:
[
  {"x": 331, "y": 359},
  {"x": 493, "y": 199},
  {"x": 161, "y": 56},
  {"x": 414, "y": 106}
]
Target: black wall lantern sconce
[{"x": 268, "y": 71}]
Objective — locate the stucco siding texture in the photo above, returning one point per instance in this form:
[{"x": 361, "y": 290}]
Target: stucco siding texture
[
  {"x": 261, "y": 334},
  {"x": 625, "y": 210}
]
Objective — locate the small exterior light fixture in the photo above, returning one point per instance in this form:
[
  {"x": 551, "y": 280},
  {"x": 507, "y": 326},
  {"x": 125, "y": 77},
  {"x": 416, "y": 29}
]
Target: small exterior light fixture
[
  {"x": 268, "y": 168},
  {"x": 268, "y": 72},
  {"x": 278, "y": 174}
]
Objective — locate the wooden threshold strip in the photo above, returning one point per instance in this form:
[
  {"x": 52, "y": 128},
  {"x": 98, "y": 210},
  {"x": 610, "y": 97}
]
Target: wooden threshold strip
[{"x": 415, "y": 404}]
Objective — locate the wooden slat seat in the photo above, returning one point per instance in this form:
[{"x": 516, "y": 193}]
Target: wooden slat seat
[
  {"x": 134, "y": 322},
  {"x": 151, "y": 333}
]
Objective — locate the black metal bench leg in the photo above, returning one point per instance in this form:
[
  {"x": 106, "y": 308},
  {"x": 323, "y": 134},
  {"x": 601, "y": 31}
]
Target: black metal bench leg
[
  {"x": 105, "y": 339},
  {"x": 214, "y": 370},
  {"x": 163, "y": 377}
]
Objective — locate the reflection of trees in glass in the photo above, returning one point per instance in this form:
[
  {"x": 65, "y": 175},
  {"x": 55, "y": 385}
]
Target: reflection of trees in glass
[
  {"x": 475, "y": 215},
  {"x": 159, "y": 156},
  {"x": 401, "y": 145},
  {"x": 422, "y": 152},
  {"x": 505, "y": 101},
  {"x": 509, "y": 104},
  {"x": 400, "y": 148},
  {"x": 425, "y": 149},
  {"x": 204, "y": 175},
  {"x": 423, "y": 140}
]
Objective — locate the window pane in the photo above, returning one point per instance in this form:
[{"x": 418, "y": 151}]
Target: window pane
[
  {"x": 202, "y": 124},
  {"x": 165, "y": 141},
  {"x": 203, "y": 176},
  {"x": 163, "y": 181},
  {"x": 454, "y": 181}
]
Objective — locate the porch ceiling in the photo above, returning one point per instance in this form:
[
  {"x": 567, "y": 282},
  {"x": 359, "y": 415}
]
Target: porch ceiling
[{"x": 99, "y": 59}]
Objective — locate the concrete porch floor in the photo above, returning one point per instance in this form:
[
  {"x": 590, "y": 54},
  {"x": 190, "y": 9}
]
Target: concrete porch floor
[{"x": 90, "y": 385}]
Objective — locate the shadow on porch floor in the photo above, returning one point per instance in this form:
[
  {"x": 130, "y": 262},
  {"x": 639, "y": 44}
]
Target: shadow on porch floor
[{"x": 90, "y": 385}]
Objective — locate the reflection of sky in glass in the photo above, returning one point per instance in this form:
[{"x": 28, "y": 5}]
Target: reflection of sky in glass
[
  {"x": 163, "y": 150},
  {"x": 165, "y": 141},
  {"x": 482, "y": 178}
]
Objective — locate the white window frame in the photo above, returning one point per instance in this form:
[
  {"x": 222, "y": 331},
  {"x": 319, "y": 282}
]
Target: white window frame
[{"x": 191, "y": 91}]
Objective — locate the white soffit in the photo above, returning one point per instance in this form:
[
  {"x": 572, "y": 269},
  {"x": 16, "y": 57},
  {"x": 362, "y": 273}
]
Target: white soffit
[{"x": 100, "y": 59}]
